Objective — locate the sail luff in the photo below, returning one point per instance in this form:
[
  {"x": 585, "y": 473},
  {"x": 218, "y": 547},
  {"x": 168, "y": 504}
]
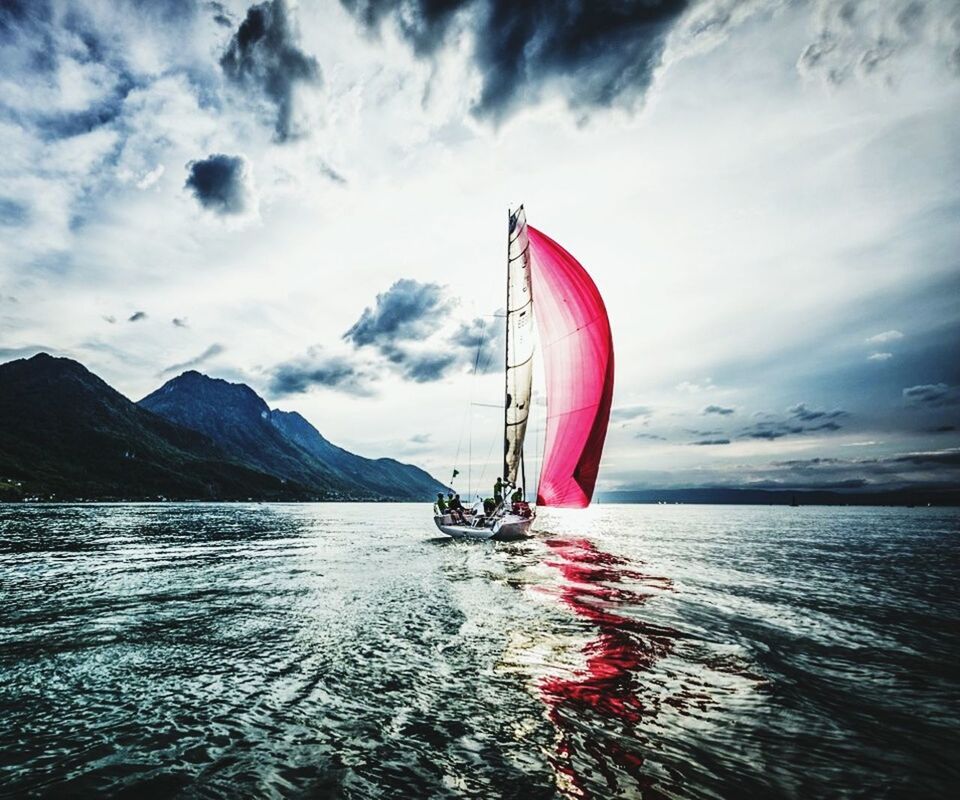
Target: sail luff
[{"x": 519, "y": 345}]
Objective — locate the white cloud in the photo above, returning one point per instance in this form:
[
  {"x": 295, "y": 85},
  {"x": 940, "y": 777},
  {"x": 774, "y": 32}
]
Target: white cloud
[
  {"x": 883, "y": 338},
  {"x": 879, "y": 356}
]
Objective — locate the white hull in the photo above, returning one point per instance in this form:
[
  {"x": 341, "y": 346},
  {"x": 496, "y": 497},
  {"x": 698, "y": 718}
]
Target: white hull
[{"x": 507, "y": 528}]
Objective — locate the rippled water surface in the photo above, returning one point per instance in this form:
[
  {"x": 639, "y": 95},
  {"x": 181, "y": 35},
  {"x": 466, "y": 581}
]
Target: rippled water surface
[{"x": 347, "y": 651}]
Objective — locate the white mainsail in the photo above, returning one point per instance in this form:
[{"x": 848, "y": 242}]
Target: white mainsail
[{"x": 520, "y": 344}]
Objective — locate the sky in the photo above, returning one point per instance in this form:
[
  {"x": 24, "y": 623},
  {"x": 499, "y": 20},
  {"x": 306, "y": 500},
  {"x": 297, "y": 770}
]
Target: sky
[{"x": 311, "y": 198}]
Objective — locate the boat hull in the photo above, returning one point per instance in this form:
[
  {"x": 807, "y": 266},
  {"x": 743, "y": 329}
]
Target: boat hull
[{"x": 508, "y": 528}]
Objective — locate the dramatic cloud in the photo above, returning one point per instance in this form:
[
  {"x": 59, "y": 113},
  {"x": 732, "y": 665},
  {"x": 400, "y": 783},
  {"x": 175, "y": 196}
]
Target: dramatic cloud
[
  {"x": 319, "y": 369},
  {"x": 426, "y": 367},
  {"x": 866, "y": 38},
  {"x": 221, "y": 183},
  {"x": 801, "y": 412},
  {"x": 190, "y": 363},
  {"x": 481, "y": 341},
  {"x": 401, "y": 325},
  {"x": 883, "y": 338},
  {"x": 136, "y": 316},
  {"x": 709, "y": 442},
  {"x": 597, "y": 53},
  {"x": 264, "y": 57},
  {"x": 721, "y": 410},
  {"x": 932, "y": 395},
  {"x": 800, "y": 420},
  {"x": 13, "y": 213},
  {"x": 407, "y": 311},
  {"x": 879, "y": 356},
  {"x": 949, "y": 458}
]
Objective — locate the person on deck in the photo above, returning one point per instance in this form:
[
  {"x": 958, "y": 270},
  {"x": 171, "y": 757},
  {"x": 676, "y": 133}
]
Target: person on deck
[
  {"x": 456, "y": 507},
  {"x": 498, "y": 492},
  {"x": 517, "y": 496},
  {"x": 441, "y": 503}
]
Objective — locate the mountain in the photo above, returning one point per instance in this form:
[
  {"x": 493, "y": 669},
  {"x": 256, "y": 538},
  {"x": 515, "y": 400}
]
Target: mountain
[
  {"x": 238, "y": 420},
  {"x": 64, "y": 431},
  {"x": 386, "y": 475},
  {"x": 282, "y": 443}
]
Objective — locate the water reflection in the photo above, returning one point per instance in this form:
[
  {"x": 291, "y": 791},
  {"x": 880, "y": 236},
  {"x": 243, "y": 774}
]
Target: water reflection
[{"x": 607, "y": 696}]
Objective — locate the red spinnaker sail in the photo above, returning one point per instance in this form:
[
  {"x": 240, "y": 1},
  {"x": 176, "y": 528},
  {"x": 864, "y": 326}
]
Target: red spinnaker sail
[{"x": 578, "y": 365}]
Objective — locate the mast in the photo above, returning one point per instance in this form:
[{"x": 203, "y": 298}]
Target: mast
[
  {"x": 506, "y": 351},
  {"x": 518, "y": 380}
]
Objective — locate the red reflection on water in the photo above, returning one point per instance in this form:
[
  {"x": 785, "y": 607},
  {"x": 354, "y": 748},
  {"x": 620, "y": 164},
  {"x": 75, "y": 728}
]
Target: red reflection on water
[{"x": 607, "y": 692}]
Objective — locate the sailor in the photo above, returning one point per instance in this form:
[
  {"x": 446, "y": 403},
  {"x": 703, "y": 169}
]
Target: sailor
[
  {"x": 517, "y": 496},
  {"x": 441, "y": 503},
  {"x": 498, "y": 492},
  {"x": 456, "y": 507}
]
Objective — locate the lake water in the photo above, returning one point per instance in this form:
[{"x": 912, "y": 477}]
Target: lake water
[{"x": 348, "y": 651}]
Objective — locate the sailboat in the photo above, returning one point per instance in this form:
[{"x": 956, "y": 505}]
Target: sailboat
[{"x": 547, "y": 284}]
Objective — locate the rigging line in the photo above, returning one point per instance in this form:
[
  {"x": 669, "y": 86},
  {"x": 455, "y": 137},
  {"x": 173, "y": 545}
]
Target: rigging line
[
  {"x": 473, "y": 388},
  {"x": 463, "y": 423},
  {"x": 483, "y": 334},
  {"x": 485, "y": 463}
]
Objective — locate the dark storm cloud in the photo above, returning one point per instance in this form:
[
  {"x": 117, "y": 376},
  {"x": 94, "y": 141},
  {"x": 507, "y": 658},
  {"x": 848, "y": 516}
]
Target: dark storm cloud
[
  {"x": 931, "y": 395},
  {"x": 136, "y": 316},
  {"x": 36, "y": 38},
  {"x": 800, "y": 420},
  {"x": 801, "y": 412},
  {"x": 213, "y": 350},
  {"x": 221, "y": 14},
  {"x": 942, "y": 429},
  {"x": 481, "y": 343},
  {"x": 597, "y": 52},
  {"x": 930, "y": 467},
  {"x": 264, "y": 57},
  {"x": 947, "y": 458},
  {"x": 627, "y": 413},
  {"x": 318, "y": 369},
  {"x": 721, "y": 410},
  {"x": 221, "y": 183},
  {"x": 710, "y": 442},
  {"x": 427, "y": 367},
  {"x": 13, "y": 213},
  {"x": 408, "y": 310}
]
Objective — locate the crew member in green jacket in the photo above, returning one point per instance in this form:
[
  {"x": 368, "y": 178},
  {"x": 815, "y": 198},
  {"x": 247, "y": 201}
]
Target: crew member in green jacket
[
  {"x": 498, "y": 492},
  {"x": 441, "y": 503}
]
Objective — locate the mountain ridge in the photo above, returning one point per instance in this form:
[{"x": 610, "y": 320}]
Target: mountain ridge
[{"x": 66, "y": 433}]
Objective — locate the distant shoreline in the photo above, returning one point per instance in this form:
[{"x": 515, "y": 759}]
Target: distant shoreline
[
  {"x": 784, "y": 497},
  {"x": 944, "y": 498}
]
